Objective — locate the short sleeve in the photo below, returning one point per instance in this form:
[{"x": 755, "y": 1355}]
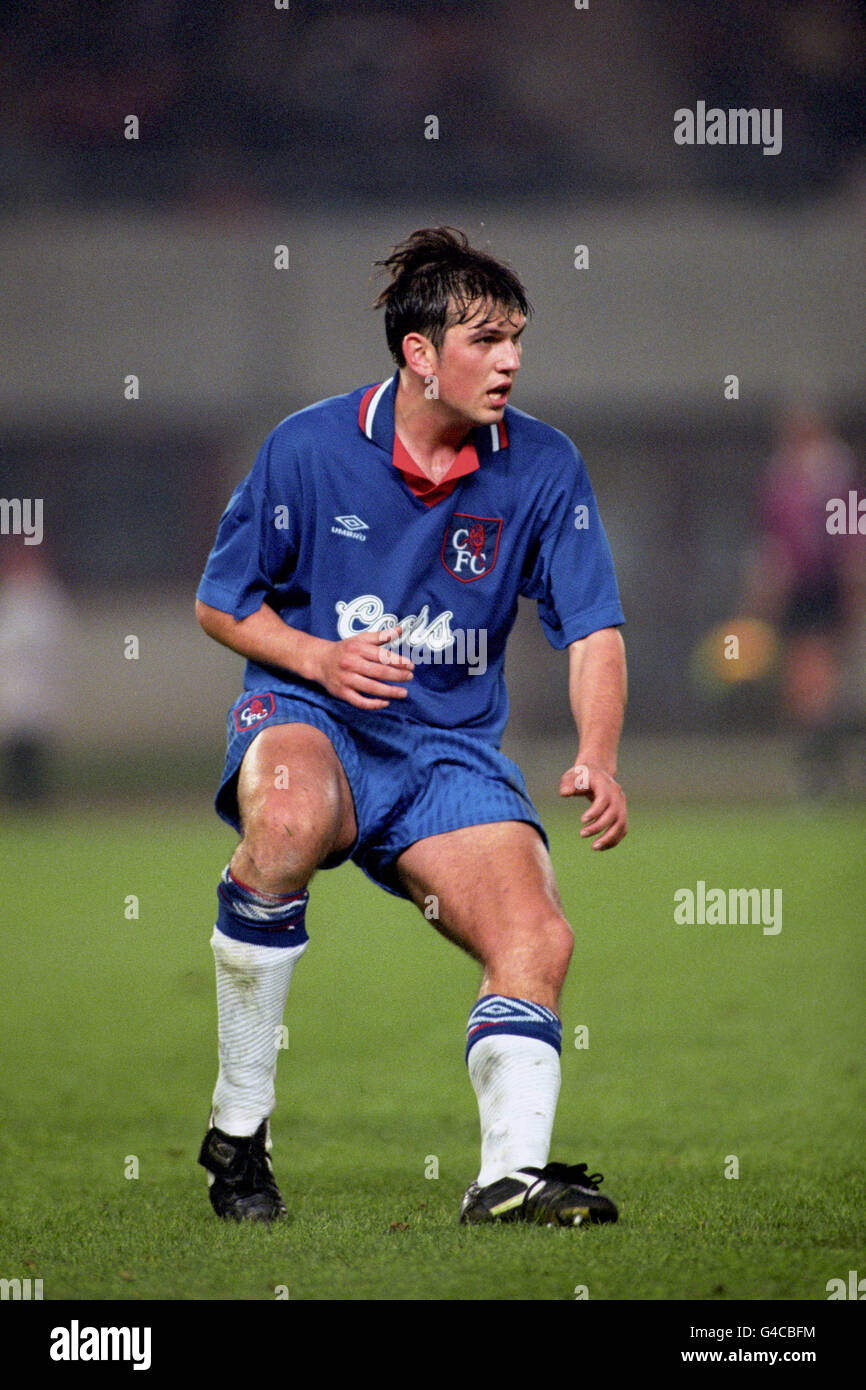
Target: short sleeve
[
  {"x": 256, "y": 544},
  {"x": 570, "y": 570}
]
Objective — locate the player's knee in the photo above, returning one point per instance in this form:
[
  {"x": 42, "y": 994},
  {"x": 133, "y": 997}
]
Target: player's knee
[
  {"x": 284, "y": 846},
  {"x": 557, "y": 944},
  {"x": 536, "y": 952}
]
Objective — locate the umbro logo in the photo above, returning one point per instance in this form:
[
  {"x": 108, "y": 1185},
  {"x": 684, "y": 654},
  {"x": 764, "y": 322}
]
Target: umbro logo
[{"x": 350, "y": 526}]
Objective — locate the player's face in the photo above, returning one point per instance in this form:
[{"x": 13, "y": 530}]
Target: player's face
[{"x": 477, "y": 364}]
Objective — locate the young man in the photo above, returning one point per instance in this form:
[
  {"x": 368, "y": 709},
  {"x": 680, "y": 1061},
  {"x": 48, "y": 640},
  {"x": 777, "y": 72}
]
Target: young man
[{"x": 369, "y": 568}]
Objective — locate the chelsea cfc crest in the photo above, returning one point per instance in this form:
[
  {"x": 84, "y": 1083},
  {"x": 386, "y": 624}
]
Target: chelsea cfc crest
[
  {"x": 471, "y": 545},
  {"x": 253, "y": 711}
]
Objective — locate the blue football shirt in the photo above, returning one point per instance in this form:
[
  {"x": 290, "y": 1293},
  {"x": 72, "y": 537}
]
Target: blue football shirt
[{"x": 331, "y": 529}]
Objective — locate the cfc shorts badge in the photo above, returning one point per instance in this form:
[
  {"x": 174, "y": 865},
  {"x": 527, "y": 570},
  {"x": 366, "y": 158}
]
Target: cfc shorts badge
[{"x": 253, "y": 712}]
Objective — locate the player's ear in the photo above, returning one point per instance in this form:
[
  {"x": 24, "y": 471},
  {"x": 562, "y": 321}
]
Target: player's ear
[{"x": 419, "y": 353}]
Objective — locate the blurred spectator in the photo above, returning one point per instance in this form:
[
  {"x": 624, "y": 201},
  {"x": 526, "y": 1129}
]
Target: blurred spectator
[
  {"x": 808, "y": 580},
  {"x": 32, "y": 623}
]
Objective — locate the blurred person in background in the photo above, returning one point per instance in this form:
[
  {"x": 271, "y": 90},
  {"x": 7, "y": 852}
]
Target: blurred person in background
[
  {"x": 32, "y": 613},
  {"x": 807, "y": 578}
]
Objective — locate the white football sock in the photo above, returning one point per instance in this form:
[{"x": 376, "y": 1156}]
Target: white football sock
[
  {"x": 517, "y": 1081},
  {"x": 252, "y": 988}
]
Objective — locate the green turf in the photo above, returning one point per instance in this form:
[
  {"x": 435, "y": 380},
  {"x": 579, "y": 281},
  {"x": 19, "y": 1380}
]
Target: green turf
[{"x": 704, "y": 1042}]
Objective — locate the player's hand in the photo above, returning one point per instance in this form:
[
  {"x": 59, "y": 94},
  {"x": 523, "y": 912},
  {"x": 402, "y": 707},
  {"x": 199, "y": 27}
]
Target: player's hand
[
  {"x": 363, "y": 671},
  {"x": 606, "y": 814}
]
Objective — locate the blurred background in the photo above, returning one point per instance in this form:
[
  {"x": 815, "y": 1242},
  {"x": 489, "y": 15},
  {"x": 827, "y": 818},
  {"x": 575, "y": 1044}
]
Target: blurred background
[{"x": 705, "y": 353}]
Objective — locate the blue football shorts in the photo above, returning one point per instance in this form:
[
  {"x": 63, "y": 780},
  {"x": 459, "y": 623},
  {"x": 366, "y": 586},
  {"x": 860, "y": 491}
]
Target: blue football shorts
[{"x": 408, "y": 780}]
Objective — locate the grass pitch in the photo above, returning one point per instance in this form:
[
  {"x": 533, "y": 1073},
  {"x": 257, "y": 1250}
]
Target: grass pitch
[{"x": 711, "y": 1049}]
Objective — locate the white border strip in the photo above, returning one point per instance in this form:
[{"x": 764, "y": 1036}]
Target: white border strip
[{"x": 371, "y": 408}]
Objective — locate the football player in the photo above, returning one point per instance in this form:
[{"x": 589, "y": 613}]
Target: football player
[{"x": 368, "y": 568}]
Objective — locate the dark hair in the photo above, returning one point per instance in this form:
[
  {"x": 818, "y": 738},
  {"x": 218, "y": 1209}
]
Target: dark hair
[{"x": 436, "y": 278}]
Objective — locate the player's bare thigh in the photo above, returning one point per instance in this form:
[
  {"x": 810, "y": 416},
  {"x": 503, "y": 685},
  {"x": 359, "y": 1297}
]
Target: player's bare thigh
[
  {"x": 496, "y": 896},
  {"x": 296, "y": 808}
]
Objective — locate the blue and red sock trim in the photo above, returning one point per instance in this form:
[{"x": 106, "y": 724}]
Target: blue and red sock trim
[
  {"x": 262, "y": 919},
  {"x": 496, "y": 1013}
]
